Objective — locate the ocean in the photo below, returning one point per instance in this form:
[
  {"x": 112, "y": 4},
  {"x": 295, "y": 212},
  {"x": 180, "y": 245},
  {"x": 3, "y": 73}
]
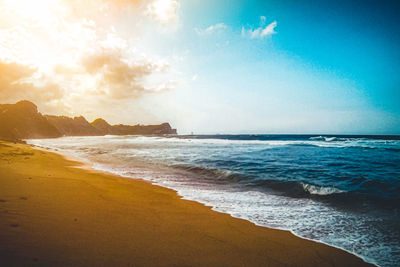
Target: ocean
[{"x": 340, "y": 190}]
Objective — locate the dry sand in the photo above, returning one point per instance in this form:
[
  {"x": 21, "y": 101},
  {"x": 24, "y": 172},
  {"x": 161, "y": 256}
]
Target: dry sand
[{"x": 53, "y": 213}]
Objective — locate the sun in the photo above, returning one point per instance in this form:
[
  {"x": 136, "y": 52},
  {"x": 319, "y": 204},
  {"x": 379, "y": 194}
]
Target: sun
[
  {"x": 29, "y": 9},
  {"x": 34, "y": 31}
]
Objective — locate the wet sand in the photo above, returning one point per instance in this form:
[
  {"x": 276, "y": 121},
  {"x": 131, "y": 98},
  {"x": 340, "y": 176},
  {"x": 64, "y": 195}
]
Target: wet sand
[{"x": 53, "y": 212}]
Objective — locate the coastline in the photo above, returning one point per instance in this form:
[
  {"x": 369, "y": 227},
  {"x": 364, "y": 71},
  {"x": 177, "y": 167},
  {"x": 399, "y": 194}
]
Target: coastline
[
  {"x": 87, "y": 165},
  {"x": 54, "y": 212}
]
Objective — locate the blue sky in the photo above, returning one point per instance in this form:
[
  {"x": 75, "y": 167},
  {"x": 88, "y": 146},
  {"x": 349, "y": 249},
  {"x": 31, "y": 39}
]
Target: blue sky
[
  {"x": 207, "y": 66},
  {"x": 331, "y": 67}
]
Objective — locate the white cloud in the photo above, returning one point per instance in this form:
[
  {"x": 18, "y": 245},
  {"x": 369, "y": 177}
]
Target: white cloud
[
  {"x": 75, "y": 57},
  {"x": 261, "y": 31},
  {"x": 163, "y": 11},
  {"x": 270, "y": 29},
  {"x": 263, "y": 20},
  {"x": 16, "y": 84},
  {"x": 211, "y": 29}
]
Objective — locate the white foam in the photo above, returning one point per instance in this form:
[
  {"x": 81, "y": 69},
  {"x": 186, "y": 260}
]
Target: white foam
[{"x": 321, "y": 190}]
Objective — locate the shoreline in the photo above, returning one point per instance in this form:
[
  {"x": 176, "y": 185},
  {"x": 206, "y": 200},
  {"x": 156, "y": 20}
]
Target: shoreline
[
  {"x": 283, "y": 247},
  {"x": 87, "y": 165}
]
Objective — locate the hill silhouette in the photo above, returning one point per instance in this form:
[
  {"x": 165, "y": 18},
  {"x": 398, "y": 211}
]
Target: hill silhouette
[
  {"x": 77, "y": 126},
  {"x": 23, "y": 121},
  {"x": 104, "y": 127}
]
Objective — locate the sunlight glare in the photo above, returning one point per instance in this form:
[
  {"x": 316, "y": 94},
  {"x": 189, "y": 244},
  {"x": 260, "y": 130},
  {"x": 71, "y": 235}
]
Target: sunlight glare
[
  {"x": 37, "y": 9},
  {"x": 164, "y": 10}
]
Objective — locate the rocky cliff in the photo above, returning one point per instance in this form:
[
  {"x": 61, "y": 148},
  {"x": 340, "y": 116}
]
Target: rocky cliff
[
  {"x": 121, "y": 129},
  {"x": 77, "y": 126},
  {"x": 23, "y": 121},
  {"x": 104, "y": 127},
  {"x": 164, "y": 128}
]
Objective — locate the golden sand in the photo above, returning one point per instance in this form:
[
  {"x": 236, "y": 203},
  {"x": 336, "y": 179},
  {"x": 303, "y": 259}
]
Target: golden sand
[{"x": 53, "y": 213}]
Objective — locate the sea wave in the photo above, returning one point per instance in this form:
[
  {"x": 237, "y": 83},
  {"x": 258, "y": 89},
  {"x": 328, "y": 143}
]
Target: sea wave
[
  {"x": 290, "y": 188},
  {"x": 321, "y": 190},
  {"x": 326, "y": 138},
  {"x": 210, "y": 174}
]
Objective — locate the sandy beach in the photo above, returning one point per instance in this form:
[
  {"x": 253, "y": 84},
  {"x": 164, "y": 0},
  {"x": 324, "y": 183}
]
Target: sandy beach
[{"x": 53, "y": 212}]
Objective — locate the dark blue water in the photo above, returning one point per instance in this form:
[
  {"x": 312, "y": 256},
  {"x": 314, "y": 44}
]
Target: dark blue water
[
  {"x": 366, "y": 168},
  {"x": 340, "y": 190}
]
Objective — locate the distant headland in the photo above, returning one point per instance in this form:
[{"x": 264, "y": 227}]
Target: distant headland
[{"x": 23, "y": 121}]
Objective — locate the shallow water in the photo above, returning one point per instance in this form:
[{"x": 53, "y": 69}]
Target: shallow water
[{"x": 340, "y": 190}]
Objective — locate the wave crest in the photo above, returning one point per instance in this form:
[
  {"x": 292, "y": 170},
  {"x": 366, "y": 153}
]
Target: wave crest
[
  {"x": 320, "y": 190},
  {"x": 326, "y": 138}
]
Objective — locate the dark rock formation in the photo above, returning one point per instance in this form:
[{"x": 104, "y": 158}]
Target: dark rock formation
[
  {"x": 22, "y": 120},
  {"x": 104, "y": 127},
  {"x": 120, "y": 129},
  {"x": 164, "y": 128},
  {"x": 77, "y": 126}
]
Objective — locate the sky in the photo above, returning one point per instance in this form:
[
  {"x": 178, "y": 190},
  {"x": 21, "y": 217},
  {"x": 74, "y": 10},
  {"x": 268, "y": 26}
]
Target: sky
[{"x": 208, "y": 67}]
